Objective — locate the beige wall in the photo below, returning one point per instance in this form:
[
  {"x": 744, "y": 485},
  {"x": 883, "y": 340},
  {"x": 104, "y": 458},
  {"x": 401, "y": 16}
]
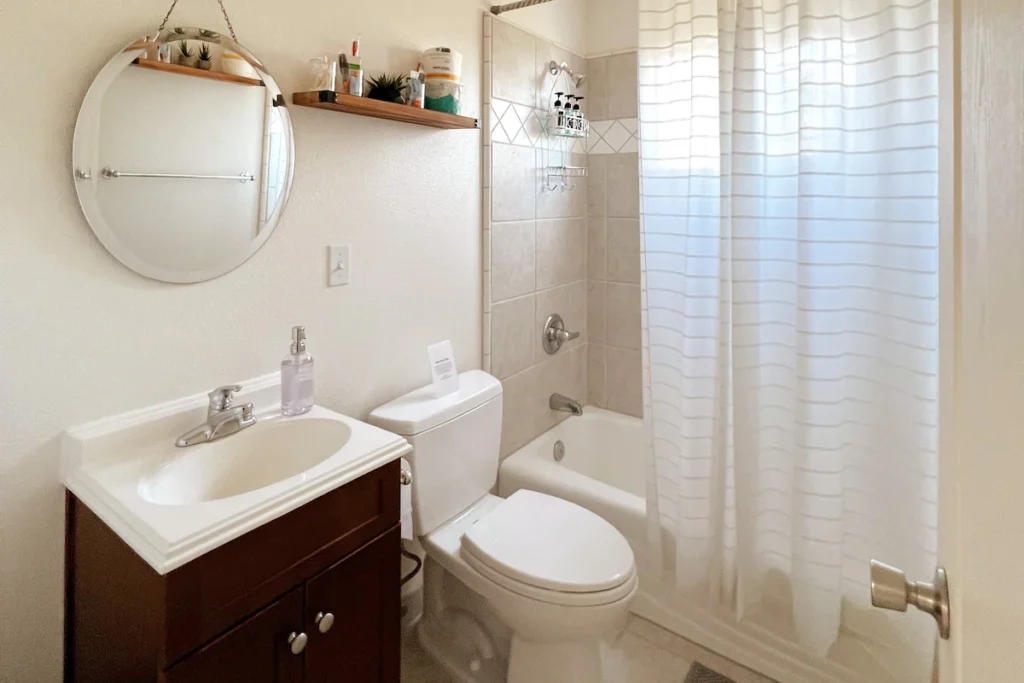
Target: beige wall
[
  {"x": 562, "y": 22},
  {"x": 536, "y": 238},
  {"x": 81, "y": 337},
  {"x": 612, "y": 26},
  {"x": 575, "y": 253},
  {"x": 613, "y": 237}
]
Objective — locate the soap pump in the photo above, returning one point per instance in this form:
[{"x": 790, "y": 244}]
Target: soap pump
[{"x": 297, "y": 385}]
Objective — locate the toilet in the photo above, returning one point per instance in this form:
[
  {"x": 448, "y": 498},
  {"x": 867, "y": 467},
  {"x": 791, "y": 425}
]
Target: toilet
[{"x": 519, "y": 588}]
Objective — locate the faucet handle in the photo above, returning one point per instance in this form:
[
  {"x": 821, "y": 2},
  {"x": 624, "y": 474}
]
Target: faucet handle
[
  {"x": 555, "y": 334},
  {"x": 220, "y": 398}
]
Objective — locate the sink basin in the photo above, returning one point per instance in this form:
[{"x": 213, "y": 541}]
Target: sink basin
[
  {"x": 172, "y": 505},
  {"x": 264, "y": 454}
]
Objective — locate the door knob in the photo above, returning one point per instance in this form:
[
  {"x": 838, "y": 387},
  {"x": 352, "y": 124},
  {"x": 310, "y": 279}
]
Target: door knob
[
  {"x": 891, "y": 590},
  {"x": 297, "y": 642},
  {"x": 405, "y": 478},
  {"x": 324, "y": 621}
]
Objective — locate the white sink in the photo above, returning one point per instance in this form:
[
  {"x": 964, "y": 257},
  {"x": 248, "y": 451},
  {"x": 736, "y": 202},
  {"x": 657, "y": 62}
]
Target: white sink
[
  {"x": 172, "y": 505},
  {"x": 261, "y": 455}
]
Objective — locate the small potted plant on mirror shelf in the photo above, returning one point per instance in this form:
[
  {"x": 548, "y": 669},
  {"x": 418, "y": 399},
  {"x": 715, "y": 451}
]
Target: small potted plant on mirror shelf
[
  {"x": 386, "y": 88},
  {"x": 207, "y": 34},
  {"x": 187, "y": 55},
  {"x": 205, "y": 57}
]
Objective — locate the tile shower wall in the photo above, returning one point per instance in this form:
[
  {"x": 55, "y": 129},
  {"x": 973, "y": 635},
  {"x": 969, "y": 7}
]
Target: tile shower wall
[
  {"x": 613, "y": 237},
  {"x": 535, "y": 258}
]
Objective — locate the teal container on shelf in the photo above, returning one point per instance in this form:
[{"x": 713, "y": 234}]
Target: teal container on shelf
[{"x": 443, "y": 87}]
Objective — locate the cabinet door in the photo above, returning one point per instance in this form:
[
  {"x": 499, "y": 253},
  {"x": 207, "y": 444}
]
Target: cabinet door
[
  {"x": 363, "y": 595},
  {"x": 255, "y": 651}
]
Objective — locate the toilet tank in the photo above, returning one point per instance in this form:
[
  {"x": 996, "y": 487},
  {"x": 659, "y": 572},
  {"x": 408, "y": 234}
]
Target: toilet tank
[{"x": 455, "y": 441}]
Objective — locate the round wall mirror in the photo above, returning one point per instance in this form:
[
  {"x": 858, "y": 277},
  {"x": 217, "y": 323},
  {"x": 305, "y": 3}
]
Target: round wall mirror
[{"x": 183, "y": 155}]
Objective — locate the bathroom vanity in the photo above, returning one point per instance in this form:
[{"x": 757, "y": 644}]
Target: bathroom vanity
[{"x": 168, "y": 579}]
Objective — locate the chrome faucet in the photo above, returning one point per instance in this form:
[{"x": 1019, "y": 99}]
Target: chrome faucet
[
  {"x": 222, "y": 418},
  {"x": 565, "y": 404}
]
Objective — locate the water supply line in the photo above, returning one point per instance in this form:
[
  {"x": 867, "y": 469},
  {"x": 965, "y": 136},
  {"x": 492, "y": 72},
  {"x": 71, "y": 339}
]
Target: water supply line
[
  {"x": 499, "y": 9},
  {"x": 416, "y": 569}
]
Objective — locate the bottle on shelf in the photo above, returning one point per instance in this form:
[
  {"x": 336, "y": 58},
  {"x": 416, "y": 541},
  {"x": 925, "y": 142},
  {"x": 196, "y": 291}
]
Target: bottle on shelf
[
  {"x": 577, "y": 113},
  {"x": 355, "y": 70},
  {"x": 558, "y": 108}
]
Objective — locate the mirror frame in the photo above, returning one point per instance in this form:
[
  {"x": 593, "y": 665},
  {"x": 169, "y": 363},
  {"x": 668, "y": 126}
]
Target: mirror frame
[{"x": 93, "y": 100}]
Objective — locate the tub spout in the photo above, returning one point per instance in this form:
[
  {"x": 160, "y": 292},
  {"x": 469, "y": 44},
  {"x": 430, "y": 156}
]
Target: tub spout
[{"x": 565, "y": 404}]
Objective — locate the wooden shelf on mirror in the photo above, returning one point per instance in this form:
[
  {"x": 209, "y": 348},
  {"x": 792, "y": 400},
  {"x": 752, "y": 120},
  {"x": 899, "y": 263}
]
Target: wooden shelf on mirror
[
  {"x": 364, "y": 106},
  {"x": 198, "y": 73}
]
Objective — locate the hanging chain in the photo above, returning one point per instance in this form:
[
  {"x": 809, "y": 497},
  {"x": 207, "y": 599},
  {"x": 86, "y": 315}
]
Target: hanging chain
[
  {"x": 174, "y": 3},
  {"x": 226, "y": 19},
  {"x": 223, "y": 10}
]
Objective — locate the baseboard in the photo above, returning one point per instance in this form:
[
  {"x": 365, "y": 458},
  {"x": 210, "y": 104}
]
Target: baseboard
[{"x": 712, "y": 633}]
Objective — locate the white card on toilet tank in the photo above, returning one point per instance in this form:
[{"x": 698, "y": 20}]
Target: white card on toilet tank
[{"x": 442, "y": 368}]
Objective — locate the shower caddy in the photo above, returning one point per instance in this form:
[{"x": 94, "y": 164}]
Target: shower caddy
[{"x": 561, "y": 128}]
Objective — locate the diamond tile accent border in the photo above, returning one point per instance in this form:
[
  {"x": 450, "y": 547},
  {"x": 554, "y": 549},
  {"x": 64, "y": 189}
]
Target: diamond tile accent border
[
  {"x": 517, "y": 124},
  {"x": 617, "y": 136}
]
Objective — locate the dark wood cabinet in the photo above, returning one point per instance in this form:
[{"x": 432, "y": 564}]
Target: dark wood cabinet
[
  {"x": 226, "y": 617},
  {"x": 362, "y": 595},
  {"x": 255, "y": 651}
]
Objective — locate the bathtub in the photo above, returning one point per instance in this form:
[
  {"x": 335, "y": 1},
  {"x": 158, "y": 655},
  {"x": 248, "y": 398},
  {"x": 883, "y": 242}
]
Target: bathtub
[{"x": 602, "y": 470}]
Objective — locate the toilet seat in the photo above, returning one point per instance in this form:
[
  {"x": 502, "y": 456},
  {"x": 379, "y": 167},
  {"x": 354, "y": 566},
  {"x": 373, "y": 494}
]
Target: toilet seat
[
  {"x": 551, "y": 550},
  {"x": 560, "y": 598}
]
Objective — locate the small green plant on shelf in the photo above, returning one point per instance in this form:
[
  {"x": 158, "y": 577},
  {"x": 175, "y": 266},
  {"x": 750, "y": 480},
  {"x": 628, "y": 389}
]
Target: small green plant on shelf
[
  {"x": 205, "y": 57},
  {"x": 386, "y": 88},
  {"x": 188, "y": 55}
]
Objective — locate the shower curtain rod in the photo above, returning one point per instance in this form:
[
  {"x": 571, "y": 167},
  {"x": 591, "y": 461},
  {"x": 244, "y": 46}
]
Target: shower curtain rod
[{"x": 498, "y": 9}]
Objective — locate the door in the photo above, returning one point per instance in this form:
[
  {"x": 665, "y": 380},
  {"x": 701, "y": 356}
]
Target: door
[
  {"x": 265, "y": 648},
  {"x": 353, "y": 616},
  {"x": 981, "y": 519},
  {"x": 981, "y": 383}
]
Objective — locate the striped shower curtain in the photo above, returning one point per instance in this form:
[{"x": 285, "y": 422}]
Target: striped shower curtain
[{"x": 789, "y": 172}]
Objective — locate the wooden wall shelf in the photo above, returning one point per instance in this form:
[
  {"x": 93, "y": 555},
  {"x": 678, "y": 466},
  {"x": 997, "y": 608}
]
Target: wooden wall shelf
[
  {"x": 364, "y": 106},
  {"x": 198, "y": 73}
]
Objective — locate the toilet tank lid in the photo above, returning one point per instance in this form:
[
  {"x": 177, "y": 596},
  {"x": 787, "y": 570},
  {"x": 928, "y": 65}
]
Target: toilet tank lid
[{"x": 420, "y": 410}]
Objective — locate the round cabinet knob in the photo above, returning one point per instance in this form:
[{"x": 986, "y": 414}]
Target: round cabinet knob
[
  {"x": 297, "y": 641},
  {"x": 324, "y": 621},
  {"x": 405, "y": 478}
]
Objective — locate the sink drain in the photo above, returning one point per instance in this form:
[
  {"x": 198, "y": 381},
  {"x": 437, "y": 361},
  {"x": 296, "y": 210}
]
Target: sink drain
[{"x": 559, "y": 451}]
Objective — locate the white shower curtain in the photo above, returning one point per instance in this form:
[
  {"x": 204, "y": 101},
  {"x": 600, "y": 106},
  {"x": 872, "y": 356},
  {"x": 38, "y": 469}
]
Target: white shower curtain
[{"x": 789, "y": 172}]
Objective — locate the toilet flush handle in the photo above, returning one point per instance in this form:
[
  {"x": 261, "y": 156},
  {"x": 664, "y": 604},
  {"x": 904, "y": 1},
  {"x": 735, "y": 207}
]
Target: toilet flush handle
[{"x": 405, "y": 478}]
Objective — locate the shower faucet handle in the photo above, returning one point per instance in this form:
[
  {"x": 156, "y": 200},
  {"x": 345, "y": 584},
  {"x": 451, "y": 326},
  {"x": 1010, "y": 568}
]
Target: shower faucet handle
[{"x": 555, "y": 334}]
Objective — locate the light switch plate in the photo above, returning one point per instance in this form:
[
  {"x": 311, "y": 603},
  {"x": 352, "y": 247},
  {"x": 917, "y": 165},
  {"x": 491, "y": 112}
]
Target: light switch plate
[{"x": 339, "y": 265}]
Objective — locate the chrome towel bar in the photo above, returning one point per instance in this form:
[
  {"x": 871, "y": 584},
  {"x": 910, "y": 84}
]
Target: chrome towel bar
[{"x": 112, "y": 173}]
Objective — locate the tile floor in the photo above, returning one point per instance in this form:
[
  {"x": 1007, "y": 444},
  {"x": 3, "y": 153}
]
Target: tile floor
[{"x": 642, "y": 653}]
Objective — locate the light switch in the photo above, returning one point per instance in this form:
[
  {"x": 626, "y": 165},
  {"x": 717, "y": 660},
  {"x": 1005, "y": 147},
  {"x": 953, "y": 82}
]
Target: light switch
[{"x": 339, "y": 265}]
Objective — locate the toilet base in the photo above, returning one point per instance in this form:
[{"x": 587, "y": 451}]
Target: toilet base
[{"x": 566, "y": 661}]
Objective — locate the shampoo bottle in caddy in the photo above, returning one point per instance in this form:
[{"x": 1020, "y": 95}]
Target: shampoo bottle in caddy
[{"x": 297, "y": 387}]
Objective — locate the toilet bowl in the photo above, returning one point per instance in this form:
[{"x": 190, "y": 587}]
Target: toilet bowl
[
  {"x": 537, "y": 580},
  {"x": 556, "y": 600}
]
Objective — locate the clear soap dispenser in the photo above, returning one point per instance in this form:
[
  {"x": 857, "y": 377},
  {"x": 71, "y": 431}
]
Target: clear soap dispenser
[{"x": 297, "y": 388}]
